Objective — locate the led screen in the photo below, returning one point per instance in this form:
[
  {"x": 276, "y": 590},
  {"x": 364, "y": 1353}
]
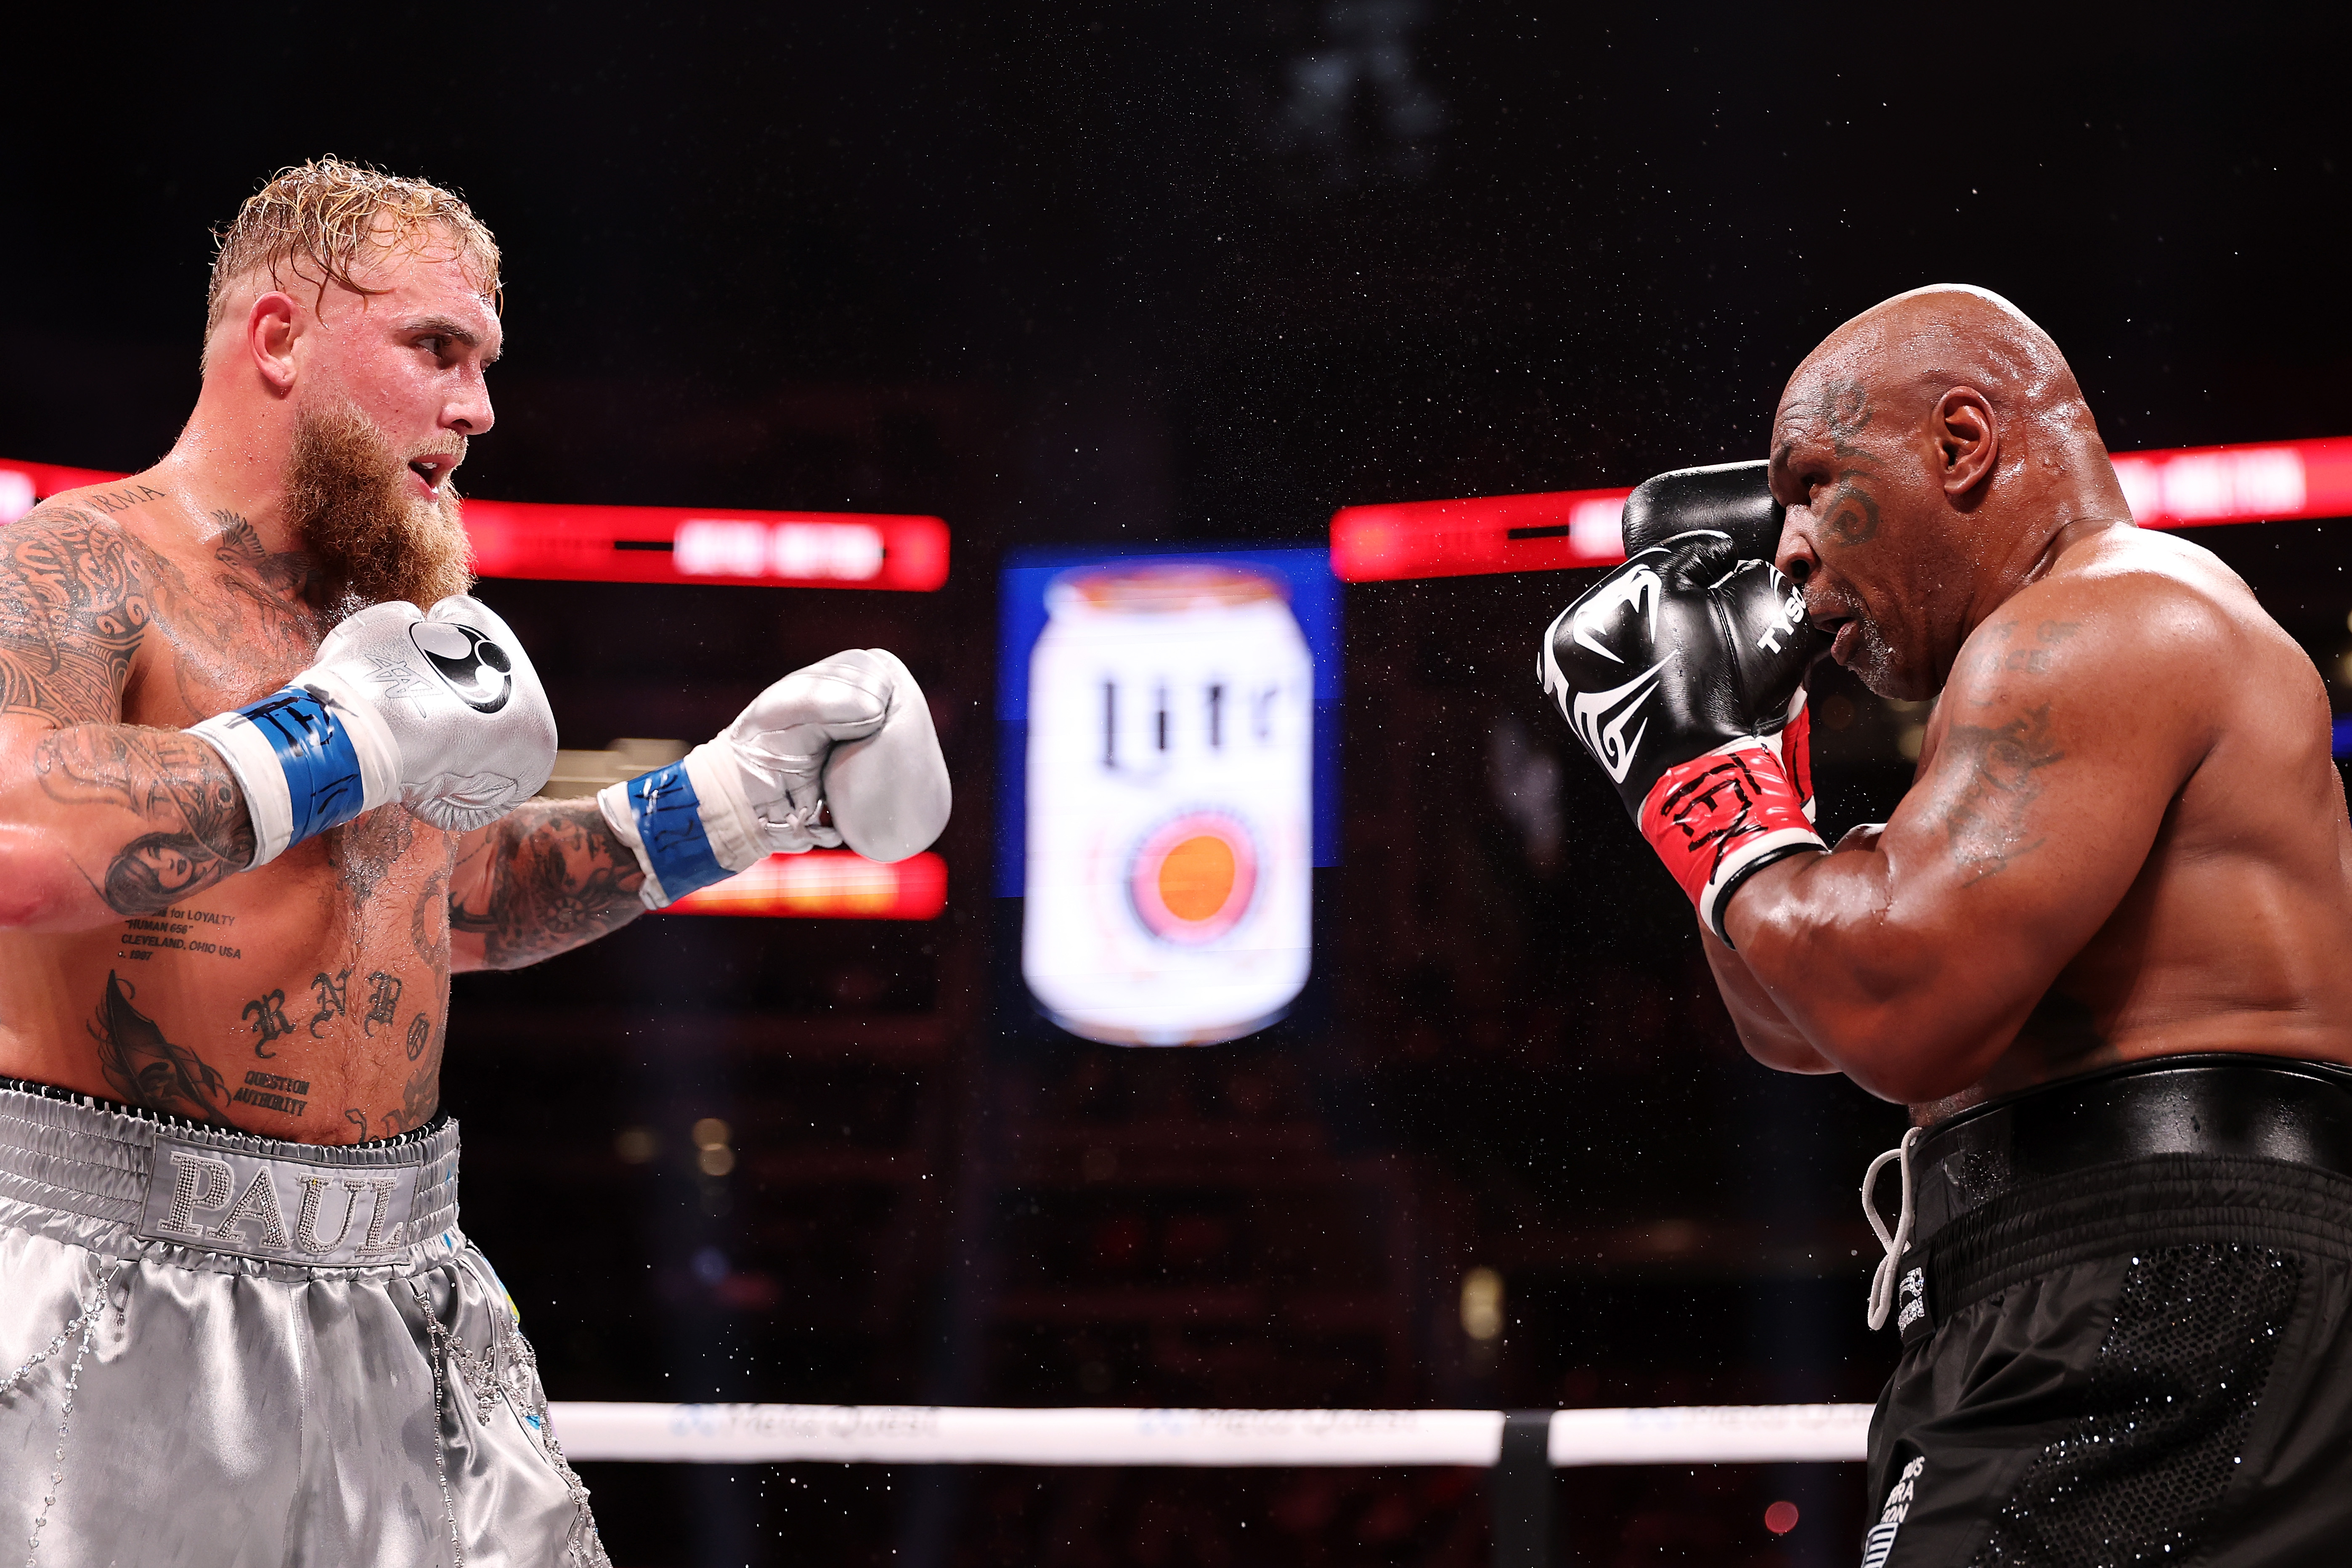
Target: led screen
[{"x": 1169, "y": 776}]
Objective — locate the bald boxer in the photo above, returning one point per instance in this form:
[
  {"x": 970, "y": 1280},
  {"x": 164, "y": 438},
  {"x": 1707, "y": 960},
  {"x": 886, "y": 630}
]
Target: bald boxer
[
  {"x": 2100, "y": 949},
  {"x": 265, "y": 780}
]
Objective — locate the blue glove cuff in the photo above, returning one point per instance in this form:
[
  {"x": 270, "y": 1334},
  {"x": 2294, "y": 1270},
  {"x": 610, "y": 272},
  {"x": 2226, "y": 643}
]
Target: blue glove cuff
[
  {"x": 297, "y": 766},
  {"x": 669, "y": 824},
  {"x": 323, "y": 786}
]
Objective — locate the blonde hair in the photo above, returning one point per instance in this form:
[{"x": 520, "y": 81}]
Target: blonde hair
[{"x": 321, "y": 220}]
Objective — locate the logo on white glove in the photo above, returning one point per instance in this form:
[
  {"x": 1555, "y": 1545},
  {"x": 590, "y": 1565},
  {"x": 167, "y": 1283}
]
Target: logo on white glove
[
  {"x": 392, "y": 671},
  {"x": 478, "y": 669}
]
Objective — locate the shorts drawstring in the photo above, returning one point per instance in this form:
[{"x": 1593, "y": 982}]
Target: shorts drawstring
[{"x": 1896, "y": 1241}]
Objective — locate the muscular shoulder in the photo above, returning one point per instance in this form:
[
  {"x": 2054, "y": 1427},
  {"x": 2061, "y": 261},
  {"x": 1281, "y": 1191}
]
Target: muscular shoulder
[
  {"x": 51, "y": 548},
  {"x": 2145, "y": 629},
  {"x": 77, "y": 588},
  {"x": 2122, "y": 614}
]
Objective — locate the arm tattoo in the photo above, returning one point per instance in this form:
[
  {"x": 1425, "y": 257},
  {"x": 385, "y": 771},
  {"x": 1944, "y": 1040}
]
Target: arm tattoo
[
  {"x": 558, "y": 877},
  {"x": 2015, "y": 657},
  {"x": 75, "y": 602},
  {"x": 201, "y": 829},
  {"x": 147, "y": 1069},
  {"x": 73, "y": 607},
  {"x": 1986, "y": 818}
]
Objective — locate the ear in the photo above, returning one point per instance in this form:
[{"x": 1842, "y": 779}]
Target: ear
[
  {"x": 1967, "y": 437},
  {"x": 272, "y": 330}
]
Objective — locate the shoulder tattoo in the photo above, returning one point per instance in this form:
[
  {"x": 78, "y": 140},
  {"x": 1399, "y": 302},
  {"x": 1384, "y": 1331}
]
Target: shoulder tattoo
[{"x": 74, "y": 603}]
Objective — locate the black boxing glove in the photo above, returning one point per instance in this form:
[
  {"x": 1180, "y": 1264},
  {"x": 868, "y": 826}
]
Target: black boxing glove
[
  {"x": 1734, "y": 500},
  {"x": 1678, "y": 671}
]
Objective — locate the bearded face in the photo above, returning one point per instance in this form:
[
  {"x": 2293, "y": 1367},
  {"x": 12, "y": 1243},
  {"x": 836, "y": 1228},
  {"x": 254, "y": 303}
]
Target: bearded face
[{"x": 352, "y": 499}]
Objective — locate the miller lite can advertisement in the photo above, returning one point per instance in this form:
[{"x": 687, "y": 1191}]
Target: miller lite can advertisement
[{"x": 1169, "y": 726}]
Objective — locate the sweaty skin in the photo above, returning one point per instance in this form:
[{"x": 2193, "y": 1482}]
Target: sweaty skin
[
  {"x": 306, "y": 1000},
  {"x": 2127, "y": 836}
]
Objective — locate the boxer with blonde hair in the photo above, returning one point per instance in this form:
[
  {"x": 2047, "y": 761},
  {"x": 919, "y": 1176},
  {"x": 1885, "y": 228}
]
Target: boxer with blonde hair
[{"x": 265, "y": 780}]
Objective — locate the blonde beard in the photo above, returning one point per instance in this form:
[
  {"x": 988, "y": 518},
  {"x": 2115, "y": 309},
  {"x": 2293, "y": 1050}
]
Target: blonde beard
[{"x": 347, "y": 495}]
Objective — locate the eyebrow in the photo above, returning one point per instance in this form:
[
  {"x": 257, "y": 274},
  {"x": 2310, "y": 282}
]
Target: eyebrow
[{"x": 448, "y": 327}]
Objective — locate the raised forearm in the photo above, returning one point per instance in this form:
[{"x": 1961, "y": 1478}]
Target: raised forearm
[
  {"x": 1894, "y": 989},
  {"x": 99, "y": 821},
  {"x": 1764, "y": 1029},
  {"x": 1772, "y": 911},
  {"x": 544, "y": 879}
]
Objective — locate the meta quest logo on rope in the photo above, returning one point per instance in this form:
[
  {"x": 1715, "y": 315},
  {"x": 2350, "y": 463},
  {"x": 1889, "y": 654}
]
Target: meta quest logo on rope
[{"x": 1168, "y": 751}]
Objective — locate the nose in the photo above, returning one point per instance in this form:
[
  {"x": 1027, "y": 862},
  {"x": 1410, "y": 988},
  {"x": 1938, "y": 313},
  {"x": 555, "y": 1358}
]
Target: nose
[
  {"x": 469, "y": 412},
  {"x": 1795, "y": 556}
]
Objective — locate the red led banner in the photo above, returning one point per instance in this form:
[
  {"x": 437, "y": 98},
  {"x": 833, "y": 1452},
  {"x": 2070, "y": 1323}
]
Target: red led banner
[
  {"x": 644, "y": 543},
  {"x": 828, "y": 884},
  {"x": 2186, "y": 487},
  {"x": 2275, "y": 482},
  {"x": 677, "y": 544},
  {"x": 1488, "y": 533}
]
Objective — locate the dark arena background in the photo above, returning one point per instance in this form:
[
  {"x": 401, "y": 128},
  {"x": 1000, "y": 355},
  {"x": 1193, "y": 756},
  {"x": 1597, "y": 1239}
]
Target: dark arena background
[{"x": 1162, "y": 279}]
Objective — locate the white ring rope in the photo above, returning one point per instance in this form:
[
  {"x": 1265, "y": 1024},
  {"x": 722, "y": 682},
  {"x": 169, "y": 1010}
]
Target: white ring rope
[{"x": 936, "y": 1434}]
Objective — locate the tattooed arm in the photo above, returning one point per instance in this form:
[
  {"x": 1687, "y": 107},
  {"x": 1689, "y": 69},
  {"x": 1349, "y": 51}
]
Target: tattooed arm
[
  {"x": 1909, "y": 959},
  {"x": 98, "y": 819},
  {"x": 540, "y": 881}
]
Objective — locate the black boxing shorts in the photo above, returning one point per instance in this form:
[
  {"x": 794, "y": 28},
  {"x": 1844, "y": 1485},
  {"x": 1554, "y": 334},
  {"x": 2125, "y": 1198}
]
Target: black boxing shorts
[{"x": 2125, "y": 1327}]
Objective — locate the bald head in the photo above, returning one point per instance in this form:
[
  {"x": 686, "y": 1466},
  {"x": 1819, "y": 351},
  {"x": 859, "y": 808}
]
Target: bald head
[
  {"x": 1928, "y": 451},
  {"x": 1905, "y": 353}
]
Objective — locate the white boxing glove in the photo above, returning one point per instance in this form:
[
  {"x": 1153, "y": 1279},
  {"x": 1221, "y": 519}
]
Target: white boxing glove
[
  {"x": 437, "y": 709},
  {"x": 850, "y": 737}
]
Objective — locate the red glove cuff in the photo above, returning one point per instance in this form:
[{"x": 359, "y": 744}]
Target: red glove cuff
[
  {"x": 1716, "y": 819},
  {"x": 1795, "y": 744}
]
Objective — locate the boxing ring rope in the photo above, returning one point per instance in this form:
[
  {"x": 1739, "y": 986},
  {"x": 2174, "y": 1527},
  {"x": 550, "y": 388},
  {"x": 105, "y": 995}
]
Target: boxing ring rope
[
  {"x": 929, "y": 1434},
  {"x": 1522, "y": 1448}
]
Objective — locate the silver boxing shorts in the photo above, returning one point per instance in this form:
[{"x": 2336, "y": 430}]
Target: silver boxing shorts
[{"x": 223, "y": 1350}]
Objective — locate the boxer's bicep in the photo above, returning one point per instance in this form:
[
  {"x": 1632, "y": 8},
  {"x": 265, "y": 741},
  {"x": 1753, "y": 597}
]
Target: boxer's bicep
[
  {"x": 97, "y": 818},
  {"x": 2036, "y": 814},
  {"x": 2060, "y": 745},
  {"x": 1911, "y": 961},
  {"x": 74, "y": 609},
  {"x": 471, "y": 887}
]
